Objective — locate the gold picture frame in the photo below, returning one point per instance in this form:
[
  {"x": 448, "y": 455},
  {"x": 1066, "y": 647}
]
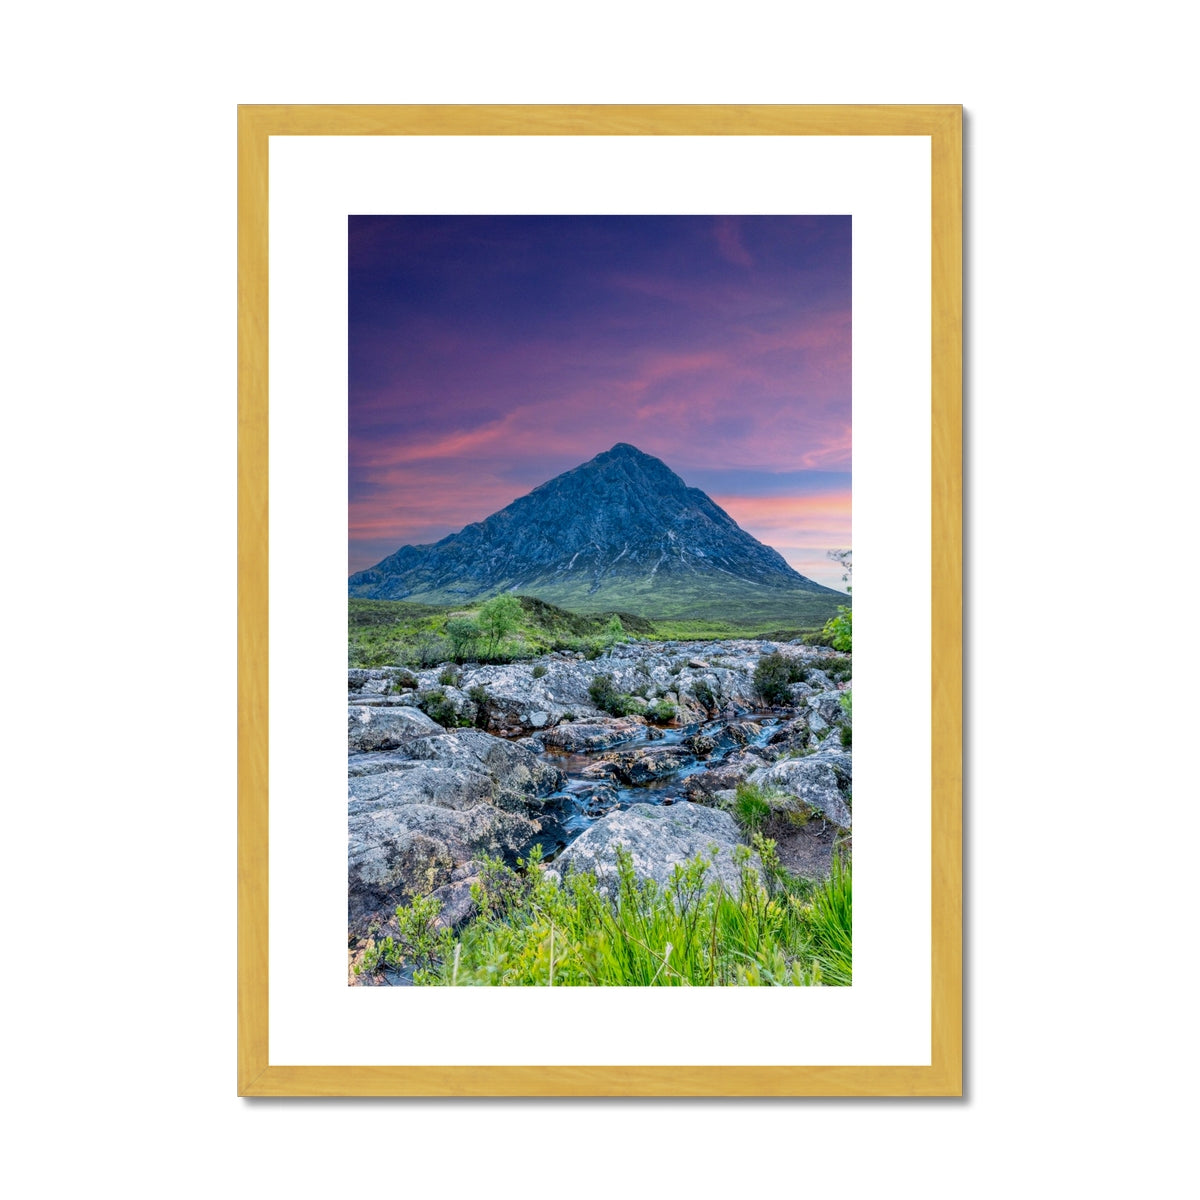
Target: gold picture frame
[{"x": 257, "y": 1075}]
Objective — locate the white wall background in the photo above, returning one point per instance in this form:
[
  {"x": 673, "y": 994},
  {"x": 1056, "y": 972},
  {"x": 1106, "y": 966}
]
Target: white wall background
[{"x": 117, "y": 472}]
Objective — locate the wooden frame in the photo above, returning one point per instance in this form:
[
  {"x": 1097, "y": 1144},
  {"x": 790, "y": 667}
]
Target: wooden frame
[{"x": 257, "y": 1076}]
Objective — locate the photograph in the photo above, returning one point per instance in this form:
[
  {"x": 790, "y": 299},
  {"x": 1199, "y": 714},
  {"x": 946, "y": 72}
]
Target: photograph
[{"x": 600, "y": 600}]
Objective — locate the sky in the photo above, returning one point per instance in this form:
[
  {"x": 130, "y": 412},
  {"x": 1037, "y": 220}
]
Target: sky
[{"x": 489, "y": 354}]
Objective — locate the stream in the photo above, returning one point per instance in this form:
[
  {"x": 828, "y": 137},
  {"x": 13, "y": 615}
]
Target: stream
[{"x": 585, "y": 799}]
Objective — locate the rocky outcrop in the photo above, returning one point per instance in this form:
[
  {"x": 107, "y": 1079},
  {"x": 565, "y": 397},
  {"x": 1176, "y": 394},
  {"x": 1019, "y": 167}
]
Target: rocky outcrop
[
  {"x": 821, "y": 782},
  {"x": 657, "y": 838},
  {"x": 421, "y": 810},
  {"x": 386, "y": 729}
]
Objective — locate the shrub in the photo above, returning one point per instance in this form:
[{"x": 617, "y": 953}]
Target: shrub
[
  {"x": 402, "y": 681},
  {"x": 451, "y": 676},
  {"x": 846, "y": 735},
  {"x": 614, "y": 631},
  {"x": 463, "y": 634},
  {"x": 839, "y": 629},
  {"x": 703, "y": 692},
  {"x": 592, "y": 651},
  {"x": 603, "y": 692},
  {"x": 539, "y": 671},
  {"x": 661, "y": 711},
  {"x": 436, "y": 705},
  {"x": 774, "y": 675},
  {"x": 605, "y": 696},
  {"x": 479, "y": 696},
  {"x": 427, "y": 649}
]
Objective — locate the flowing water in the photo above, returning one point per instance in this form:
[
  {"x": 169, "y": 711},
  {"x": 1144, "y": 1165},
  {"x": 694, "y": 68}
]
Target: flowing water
[{"x": 584, "y": 800}]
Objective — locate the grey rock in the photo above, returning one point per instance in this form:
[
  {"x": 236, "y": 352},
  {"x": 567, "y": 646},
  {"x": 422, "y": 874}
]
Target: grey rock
[
  {"x": 417, "y": 813},
  {"x": 821, "y": 781},
  {"x": 640, "y": 767},
  {"x": 657, "y": 837},
  {"x": 580, "y": 737},
  {"x": 373, "y": 728}
]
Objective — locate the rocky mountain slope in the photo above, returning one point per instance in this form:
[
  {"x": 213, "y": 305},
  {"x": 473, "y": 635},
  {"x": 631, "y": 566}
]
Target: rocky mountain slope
[{"x": 621, "y": 531}]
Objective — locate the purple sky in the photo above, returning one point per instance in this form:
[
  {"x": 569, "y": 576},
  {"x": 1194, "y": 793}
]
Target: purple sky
[{"x": 488, "y": 354}]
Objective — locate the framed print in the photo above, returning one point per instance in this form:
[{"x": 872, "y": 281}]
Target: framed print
[{"x": 590, "y": 405}]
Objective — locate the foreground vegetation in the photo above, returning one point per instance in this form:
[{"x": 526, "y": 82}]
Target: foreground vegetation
[
  {"x": 534, "y": 929},
  {"x": 505, "y": 628}
]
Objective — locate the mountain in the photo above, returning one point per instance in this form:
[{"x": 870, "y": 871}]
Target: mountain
[{"x": 622, "y": 531}]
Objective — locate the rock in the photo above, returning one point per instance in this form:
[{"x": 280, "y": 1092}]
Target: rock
[
  {"x": 702, "y": 787},
  {"x": 417, "y": 813},
  {"x": 700, "y": 743},
  {"x": 640, "y": 767},
  {"x": 822, "y": 781},
  {"x": 829, "y": 705},
  {"x": 657, "y": 838},
  {"x": 599, "y": 800},
  {"x": 599, "y": 770},
  {"x": 737, "y": 733},
  {"x": 369, "y": 679},
  {"x": 371, "y": 728},
  {"x": 579, "y": 737}
]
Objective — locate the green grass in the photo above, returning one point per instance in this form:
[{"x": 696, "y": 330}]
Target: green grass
[
  {"x": 537, "y": 932},
  {"x": 399, "y": 632}
]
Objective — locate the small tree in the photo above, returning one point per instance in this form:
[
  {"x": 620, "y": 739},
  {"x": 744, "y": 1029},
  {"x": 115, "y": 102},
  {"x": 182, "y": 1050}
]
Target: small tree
[
  {"x": 614, "y": 631},
  {"x": 463, "y": 634},
  {"x": 499, "y": 617}
]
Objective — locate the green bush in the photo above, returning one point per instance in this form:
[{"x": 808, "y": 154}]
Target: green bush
[
  {"x": 661, "y": 712},
  {"x": 614, "y": 631},
  {"x": 464, "y": 636},
  {"x": 703, "y": 692},
  {"x": 603, "y": 692},
  {"x": 402, "y": 681},
  {"x": 774, "y": 676},
  {"x": 436, "y": 705},
  {"x": 451, "y": 676},
  {"x": 839, "y": 629},
  {"x": 539, "y": 671}
]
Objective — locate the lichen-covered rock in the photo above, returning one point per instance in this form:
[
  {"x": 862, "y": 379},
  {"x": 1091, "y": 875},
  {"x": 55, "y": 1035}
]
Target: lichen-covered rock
[
  {"x": 644, "y": 766},
  {"x": 657, "y": 837},
  {"x": 373, "y": 728},
  {"x": 439, "y": 801},
  {"x": 580, "y": 737},
  {"x": 822, "y": 781}
]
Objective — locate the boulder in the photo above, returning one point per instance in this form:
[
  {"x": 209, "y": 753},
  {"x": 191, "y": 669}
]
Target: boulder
[
  {"x": 374, "y": 728},
  {"x": 644, "y": 766},
  {"x": 822, "y": 781},
  {"x": 829, "y": 706},
  {"x": 702, "y": 787},
  {"x": 579, "y": 737},
  {"x": 657, "y": 837}
]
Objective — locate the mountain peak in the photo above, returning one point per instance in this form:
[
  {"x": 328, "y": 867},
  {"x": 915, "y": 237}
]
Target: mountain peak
[{"x": 621, "y": 530}]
